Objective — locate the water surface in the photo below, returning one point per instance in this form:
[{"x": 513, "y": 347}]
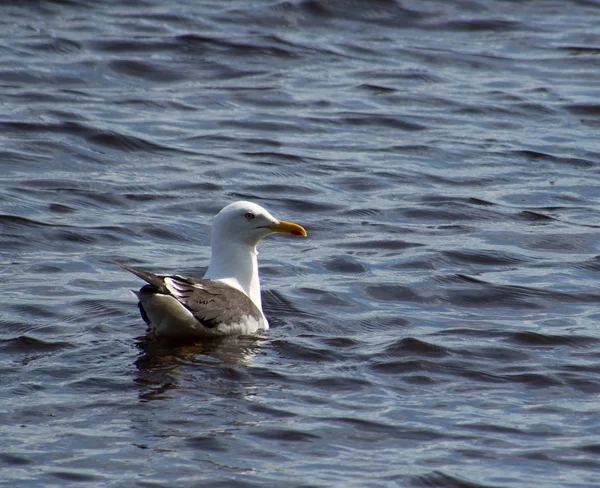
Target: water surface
[{"x": 438, "y": 328}]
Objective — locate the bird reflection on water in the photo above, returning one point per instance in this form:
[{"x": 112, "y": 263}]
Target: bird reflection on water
[{"x": 161, "y": 362}]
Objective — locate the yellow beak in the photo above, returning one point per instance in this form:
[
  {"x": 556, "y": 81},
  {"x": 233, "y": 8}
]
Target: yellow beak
[{"x": 287, "y": 228}]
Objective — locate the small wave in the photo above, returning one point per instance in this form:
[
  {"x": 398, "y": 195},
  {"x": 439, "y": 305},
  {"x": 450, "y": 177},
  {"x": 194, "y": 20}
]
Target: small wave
[
  {"x": 146, "y": 71},
  {"x": 536, "y": 339},
  {"x": 77, "y": 476},
  {"x": 566, "y": 160},
  {"x": 237, "y": 48},
  {"x": 57, "y": 45},
  {"x": 487, "y": 258},
  {"x": 410, "y": 345},
  {"x": 288, "y": 435},
  {"x": 476, "y": 25},
  {"x": 369, "y": 428},
  {"x": 123, "y": 142},
  {"x": 15, "y": 460},
  {"x": 345, "y": 265},
  {"x": 28, "y": 344},
  {"x": 389, "y": 245},
  {"x": 304, "y": 352},
  {"x": 105, "y": 138},
  {"x": 15, "y": 221},
  {"x": 377, "y": 120},
  {"x": 440, "y": 479}
]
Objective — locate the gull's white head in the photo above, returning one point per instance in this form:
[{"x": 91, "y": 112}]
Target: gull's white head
[
  {"x": 236, "y": 231},
  {"x": 247, "y": 223}
]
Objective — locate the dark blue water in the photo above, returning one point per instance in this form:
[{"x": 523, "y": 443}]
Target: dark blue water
[{"x": 439, "y": 326}]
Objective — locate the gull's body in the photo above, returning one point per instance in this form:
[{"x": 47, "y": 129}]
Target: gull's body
[{"x": 227, "y": 301}]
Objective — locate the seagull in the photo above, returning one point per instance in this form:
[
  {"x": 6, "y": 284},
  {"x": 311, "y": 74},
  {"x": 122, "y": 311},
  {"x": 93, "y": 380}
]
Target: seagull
[{"x": 226, "y": 301}]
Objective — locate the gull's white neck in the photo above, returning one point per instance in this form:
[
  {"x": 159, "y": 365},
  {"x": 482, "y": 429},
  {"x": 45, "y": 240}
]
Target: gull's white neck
[{"x": 237, "y": 264}]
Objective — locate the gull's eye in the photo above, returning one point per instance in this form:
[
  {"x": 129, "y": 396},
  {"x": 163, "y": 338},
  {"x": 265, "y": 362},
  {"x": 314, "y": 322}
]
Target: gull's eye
[{"x": 249, "y": 216}]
